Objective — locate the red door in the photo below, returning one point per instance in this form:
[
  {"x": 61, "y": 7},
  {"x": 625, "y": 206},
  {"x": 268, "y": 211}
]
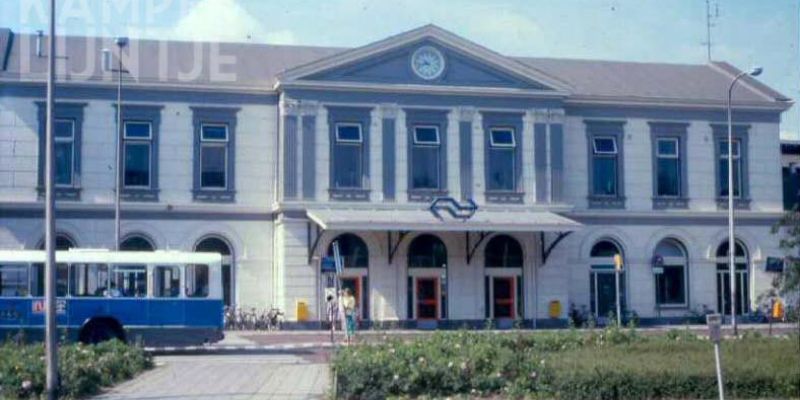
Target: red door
[
  {"x": 427, "y": 298},
  {"x": 504, "y": 297}
]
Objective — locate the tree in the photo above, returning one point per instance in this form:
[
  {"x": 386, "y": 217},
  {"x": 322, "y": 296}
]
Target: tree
[{"x": 787, "y": 284}]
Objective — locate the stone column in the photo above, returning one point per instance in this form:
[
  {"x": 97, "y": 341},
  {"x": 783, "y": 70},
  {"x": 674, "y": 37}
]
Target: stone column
[
  {"x": 453, "y": 154},
  {"x": 388, "y": 155},
  {"x": 401, "y": 157},
  {"x": 466, "y": 115},
  {"x": 528, "y": 167},
  {"x": 323, "y": 154},
  {"x": 478, "y": 176},
  {"x": 375, "y": 155},
  {"x": 290, "y": 127},
  {"x": 541, "y": 160}
]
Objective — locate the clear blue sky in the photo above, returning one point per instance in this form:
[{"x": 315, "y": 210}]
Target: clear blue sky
[{"x": 746, "y": 32}]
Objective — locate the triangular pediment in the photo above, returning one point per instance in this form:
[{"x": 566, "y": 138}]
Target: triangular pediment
[{"x": 390, "y": 62}]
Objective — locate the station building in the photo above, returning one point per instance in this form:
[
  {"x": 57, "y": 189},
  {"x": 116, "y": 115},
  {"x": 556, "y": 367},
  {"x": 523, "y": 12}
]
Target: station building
[{"x": 460, "y": 184}]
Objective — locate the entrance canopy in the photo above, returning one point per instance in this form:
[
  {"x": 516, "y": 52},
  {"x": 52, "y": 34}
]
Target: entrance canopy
[{"x": 424, "y": 220}]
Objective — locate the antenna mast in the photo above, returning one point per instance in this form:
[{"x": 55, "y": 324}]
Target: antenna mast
[{"x": 709, "y": 25}]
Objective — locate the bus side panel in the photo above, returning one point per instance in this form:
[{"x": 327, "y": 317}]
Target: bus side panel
[
  {"x": 14, "y": 313},
  {"x": 204, "y": 313},
  {"x": 36, "y": 318},
  {"x": 167, "y": 312},
  {"x": 129, "y": 311},
  {"x": 81, "y": 310}
]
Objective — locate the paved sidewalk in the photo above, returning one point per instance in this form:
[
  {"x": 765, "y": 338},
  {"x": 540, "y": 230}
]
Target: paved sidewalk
[{"x": 229, "y": 377}]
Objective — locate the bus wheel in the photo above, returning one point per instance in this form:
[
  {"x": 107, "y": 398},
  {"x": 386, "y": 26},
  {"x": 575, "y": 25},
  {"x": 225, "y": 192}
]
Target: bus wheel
[{"x": 99, "y": 331}]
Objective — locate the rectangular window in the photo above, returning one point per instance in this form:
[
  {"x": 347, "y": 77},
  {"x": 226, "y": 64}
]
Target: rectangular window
[
  {"x": 348, "y": 157},
  {"x": 426, "y": 158},
  {"x": 668, "y": 165},
  {"x": 502, "y": 160},
  {"x": 197, "y": 280},
  {"x": 604, "y": 166},
  {"x": 88, "y": 280},
  {"x": 214, "y": 156},
  {"x": 138, "y": 154},
  {"x": 166, "y": 281},
  {"x": 13, "y": 280},
  {"x": 671, "y": 286},
  {"x": 129, "y": 281},
  {"x": 64, "y": 139},
  {"x": 723, "y": 168}
]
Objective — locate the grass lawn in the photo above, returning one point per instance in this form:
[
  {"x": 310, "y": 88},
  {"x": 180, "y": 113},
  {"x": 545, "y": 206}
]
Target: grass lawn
[{"x": 611, "y": 363}]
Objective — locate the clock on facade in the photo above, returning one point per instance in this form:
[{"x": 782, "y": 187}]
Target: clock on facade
[{"x": 427, "y": 62}]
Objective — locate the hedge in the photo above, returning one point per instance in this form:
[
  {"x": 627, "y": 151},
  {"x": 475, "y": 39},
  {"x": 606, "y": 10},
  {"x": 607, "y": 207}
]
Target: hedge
[
  {"x": 604, "y": 364},
  {"x": 84, "y": 369}
]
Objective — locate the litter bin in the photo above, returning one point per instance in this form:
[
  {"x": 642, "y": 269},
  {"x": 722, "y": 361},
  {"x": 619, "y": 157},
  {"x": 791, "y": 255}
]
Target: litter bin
[
  {"x": 301, "y": 310},
  {"x": 554, "y": 309}
]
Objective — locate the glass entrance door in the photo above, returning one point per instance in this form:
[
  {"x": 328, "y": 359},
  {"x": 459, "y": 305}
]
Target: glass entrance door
[
  {"x": 427, "y": 298},
  {"x": 603, "y": 292},
  {"x": 724, "y": 292}
]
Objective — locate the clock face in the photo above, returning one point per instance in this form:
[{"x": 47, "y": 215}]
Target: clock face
[{"x": 427, "y": 63}]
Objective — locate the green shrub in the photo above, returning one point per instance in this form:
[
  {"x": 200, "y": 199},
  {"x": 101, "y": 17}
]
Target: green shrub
[
  {"x": 613, "y": 363},
  {"x": 84, "y": 369}
]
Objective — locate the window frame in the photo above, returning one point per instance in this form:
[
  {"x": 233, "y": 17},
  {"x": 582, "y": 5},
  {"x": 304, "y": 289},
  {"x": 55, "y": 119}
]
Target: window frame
[
  {"x": 214, "y": 143},
  {"x": 673, "y": 262},
  {"x": 344, "y": 116},
  {"x": 214, "y": 116},
  {"x": 493, "y": 143},
  {"x": 73, "y": 155},
  {"x": 149, "y": 114},
  {"x": 358, "y": 144},
  {"x": 358, "y": 141},
  {"x": 600, "y": 129},
  {"x": 126, "y": 140},
  {"x": 436, "y": 143},
  {"x": 741, "y": 151},
  {"x": 73, "y": 111}
]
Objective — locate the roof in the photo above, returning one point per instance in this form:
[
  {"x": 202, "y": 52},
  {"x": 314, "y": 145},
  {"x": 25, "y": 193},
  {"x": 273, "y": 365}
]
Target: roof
[
  {"x": 423, "y": 220},
  {"x": 106, "y": 256},
  {"x": 259, "y": 66}
]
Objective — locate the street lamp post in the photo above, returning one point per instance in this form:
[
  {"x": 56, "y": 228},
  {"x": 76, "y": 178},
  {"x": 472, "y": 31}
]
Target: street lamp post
[
  {"x": 120, "y": 42},
  {"x": 731, "y": 236},
  {"x": 51, "y": 342}
]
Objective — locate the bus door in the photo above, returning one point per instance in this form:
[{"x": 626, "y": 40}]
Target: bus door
[
  {"x": 128, "y": 289},
  {"x": 166, "y": 308}
]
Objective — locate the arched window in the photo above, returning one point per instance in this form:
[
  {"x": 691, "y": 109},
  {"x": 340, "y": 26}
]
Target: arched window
[
  {"x": 63, "y": 242},
  {"x": 503, "y": 251},
  {"x": 137, "y": 243},
  {"x": 603, "y": 280},
  {"x": 427, "y": 251},
  {"x": 352, "y": 249},
  {"x": 605, "y": 248},
  {"x": 741, "y": 279},
  {"x": 722, "y": 250},
  {"x": 215, "y": 244},
  {"x": 670, "y": 269}
]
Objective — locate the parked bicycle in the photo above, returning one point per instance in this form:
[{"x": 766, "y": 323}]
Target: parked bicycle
[{"x": 253, "y": 319}]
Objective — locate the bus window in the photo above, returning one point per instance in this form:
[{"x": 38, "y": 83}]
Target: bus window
[
  {"x": 128, "y": 281},
  {"x": 197, "y": 280},
  {"x": 166, "y": 281},
  {"x": 37, "y": 280},
  {"x": 88, "y": 280},
  {"x": 13, "y": 280}
]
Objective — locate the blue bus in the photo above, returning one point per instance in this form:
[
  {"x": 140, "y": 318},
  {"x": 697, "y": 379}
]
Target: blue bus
[{"x": 160, "y": 297}]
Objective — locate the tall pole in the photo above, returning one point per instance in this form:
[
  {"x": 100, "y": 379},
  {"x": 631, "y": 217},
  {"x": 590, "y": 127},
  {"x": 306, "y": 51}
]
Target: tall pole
[
  {"x": 51, "y": 349},
  {"x": 731, "y": 234},
  {"x": 118, "y": 153}
]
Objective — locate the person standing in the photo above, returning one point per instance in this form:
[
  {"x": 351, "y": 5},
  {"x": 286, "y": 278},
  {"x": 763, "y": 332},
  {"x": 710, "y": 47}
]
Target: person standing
[{"x": 349, "y": 307}]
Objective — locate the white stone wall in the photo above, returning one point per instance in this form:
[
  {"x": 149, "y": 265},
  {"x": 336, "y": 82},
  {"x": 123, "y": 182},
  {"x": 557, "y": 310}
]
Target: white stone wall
[
  {"x": 566, "y": 273},
  {"x": 19, "y": 151},
  {"x": 763, "y": 161}
]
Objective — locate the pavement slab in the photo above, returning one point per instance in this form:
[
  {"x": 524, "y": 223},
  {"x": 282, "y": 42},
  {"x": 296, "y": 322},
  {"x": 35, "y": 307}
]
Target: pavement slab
[{"x": 228, "y": 377}]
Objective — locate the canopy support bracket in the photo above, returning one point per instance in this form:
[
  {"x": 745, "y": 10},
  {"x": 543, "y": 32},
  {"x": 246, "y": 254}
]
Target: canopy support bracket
[
  {"x": 546, "y": 250},
  {"x": 393, "y": 246},
  {"x": 312, "y": 246},
  {"x": 472, "y": 249}
]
